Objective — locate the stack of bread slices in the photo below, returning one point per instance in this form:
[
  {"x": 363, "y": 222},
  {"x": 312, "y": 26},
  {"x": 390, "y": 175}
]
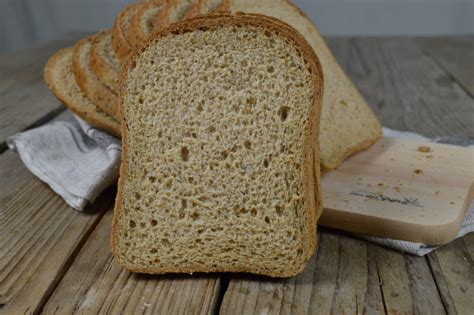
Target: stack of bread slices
[{"x": 225, "y": 127}]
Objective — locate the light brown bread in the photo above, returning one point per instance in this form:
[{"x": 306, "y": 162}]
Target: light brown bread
[
  {"x": 103, "y": 61},
  {"x": 59, "y": 76},
  {"x": 120, "y": 43},
  {"x": 202, "y": 7},
  {"x": 142, "y": 24},
  {"x": 174, "y": 11},
  {"x": 95, "y": 90},
  {"x": 348, "y": 125},
  {"x": 220, "y": 123}
]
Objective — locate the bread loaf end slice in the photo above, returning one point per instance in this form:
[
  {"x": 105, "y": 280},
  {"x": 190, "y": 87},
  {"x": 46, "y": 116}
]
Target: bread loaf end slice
[
  {"x": 220, "y": 139},
  {"x": 59, "y": 76}
]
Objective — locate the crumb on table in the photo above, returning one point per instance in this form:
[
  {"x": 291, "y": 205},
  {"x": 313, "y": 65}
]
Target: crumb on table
[
  {"x": 418, "y": 171},
  {"x": 424, "y": 149}
]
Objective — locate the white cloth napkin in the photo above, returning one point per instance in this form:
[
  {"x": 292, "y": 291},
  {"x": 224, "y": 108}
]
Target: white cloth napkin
[{"x": 78, "y": 162}]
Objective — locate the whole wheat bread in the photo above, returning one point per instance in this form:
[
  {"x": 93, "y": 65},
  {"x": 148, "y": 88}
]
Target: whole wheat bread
[
  {"x": 202, "y": 7},
  {"x": 120, "y": 43},
  {"x": 220, "y": 121},
  {"x": 60, "y": 78},
  {"x": 142, "y": 24},
  {"x": 95, "y": 90},
  {"x": 174, "y": 11},
  {"x": 103, "y": 60},
  {"x": 348, "y": 125}
]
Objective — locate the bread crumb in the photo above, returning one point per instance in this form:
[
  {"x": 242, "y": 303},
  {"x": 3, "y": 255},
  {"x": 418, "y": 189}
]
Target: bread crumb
[
  {"x": 380, "y": 185},
  {"x": 424, "y": 149},
  {"x": 418, "y": 171},
  {"x": 452, "y": 203},
  {"x": 437, "y": 193},
  {"x": 397, "y": 188}
]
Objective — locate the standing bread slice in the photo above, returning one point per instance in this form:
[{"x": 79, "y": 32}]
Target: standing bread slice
[
  {"x": 120, "y": 42},
  {"x": 59, "y": 76},
  {"x": 142, "y": 24},
  {"x": 103, "y": 60},
  {"x": 95, "y": 90},
  {"x": 348, "y": 125},
  {"x": 219, "y": 150},
  {"x": 202, "y": 7},
  {"x": 174, "y": 11}
]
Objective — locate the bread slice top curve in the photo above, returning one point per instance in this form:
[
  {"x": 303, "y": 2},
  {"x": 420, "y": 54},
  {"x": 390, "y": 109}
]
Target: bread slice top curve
[
  {"x": 142, "y": 24},
  {"x": 103, "y": 60},
  {"x": 120, "y": 42},
  {"x": 95, "y": 90},
  {"x": 60, "y": 79},
  {"x": 220, "y": 135},
  {"x": 348, "y": 124},
  {"x": 202, "y": 7},
  {"x": 174, "y": 11}
]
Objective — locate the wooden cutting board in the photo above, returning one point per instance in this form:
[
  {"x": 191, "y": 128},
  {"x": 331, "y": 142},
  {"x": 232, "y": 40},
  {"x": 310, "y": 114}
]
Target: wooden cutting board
[{"x": 401, "y": 189}]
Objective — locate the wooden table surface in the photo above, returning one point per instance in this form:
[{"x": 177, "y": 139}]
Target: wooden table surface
[{"x": 54, "y": 259}]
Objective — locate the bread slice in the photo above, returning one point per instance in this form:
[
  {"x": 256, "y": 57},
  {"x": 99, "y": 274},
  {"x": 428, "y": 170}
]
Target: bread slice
[
  {"x": 202, "y": 7},
  {"x": 120, "y": 42},
  {"x": 220, "y": 139},
  {"x": 174, "y": 11},
  {"x": 348, "y": 125},
  {"x": 59, "y": 76},
  {"x": 95, "y": 90},
  {"x": 142, "y": 24},
  {"x": 103, "y": 61}
]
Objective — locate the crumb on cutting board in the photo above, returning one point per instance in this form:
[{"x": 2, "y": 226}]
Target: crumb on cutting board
[
  {"x": 418, "y": 171},
  {"x": 424, "y": 149}
]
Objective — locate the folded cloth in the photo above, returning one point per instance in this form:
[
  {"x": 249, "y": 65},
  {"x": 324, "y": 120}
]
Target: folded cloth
[{"x": 78, "y": 162}]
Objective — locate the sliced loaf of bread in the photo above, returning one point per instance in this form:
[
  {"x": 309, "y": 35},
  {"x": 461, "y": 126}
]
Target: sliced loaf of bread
[
  {"x": 59, "y": 76},
  {"x": 220, "y": 142},
  {"x": 95, "y": 90},
  {"x": 120, "y": 42},
  {"x": 103, "y": 60},
  {"x": 348, "y": 125}
]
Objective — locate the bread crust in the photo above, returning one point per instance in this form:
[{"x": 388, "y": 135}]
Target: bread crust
[
  {"x": 95, "y": 90},
  {"x": 105, "y": 72},
  {"x": 120, "y": 42},
  {"x": 311, "y": 143},
  {"x": 93, "y": 117}
]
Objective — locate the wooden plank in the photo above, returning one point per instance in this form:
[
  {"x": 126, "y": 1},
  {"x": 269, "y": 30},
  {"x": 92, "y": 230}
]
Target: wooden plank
[
  {"x": 406, "y": 89},
  {"x": 336, "y": 280},
  {"x": 95, "y": 284},
  {"x": 25, "y": 100},
  {"x": 455, "y": 54},
  {"x": 406, "y": 282},
  {"x": 39, "y": 236},
  {"x": 454, "y": 269}
]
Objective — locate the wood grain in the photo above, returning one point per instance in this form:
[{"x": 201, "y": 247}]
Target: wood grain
[
  {"x": 95, "y": 283},
  {"x": 39, "y": 236},
  {"x": 455, "y": 275},
  {"x": 25, "y": 100},
  {"x": 406, "y": 89},
  {"x": 454, "y": 54}
]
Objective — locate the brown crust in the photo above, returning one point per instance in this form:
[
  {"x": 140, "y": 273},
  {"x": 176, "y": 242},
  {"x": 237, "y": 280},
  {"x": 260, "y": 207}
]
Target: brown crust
[
  {"x": 120, "y": 42},
  {"x": 311, "y": 152},
  {"x": 325, "y": 165},
  {"x": 105, "y": 72},
  {"x": 95, "y": 90},
  {"x": 162, "y": 20},
  {"x": 95, "y": 118}
]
